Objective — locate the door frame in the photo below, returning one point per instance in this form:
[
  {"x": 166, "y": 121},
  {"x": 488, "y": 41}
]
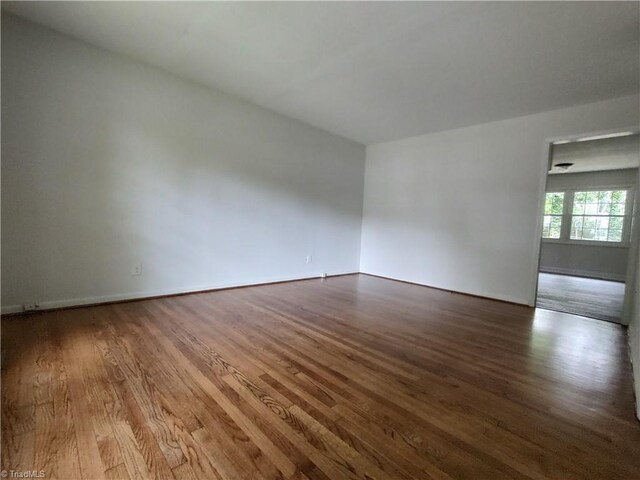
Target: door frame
[{"x": 545, "y": 166}]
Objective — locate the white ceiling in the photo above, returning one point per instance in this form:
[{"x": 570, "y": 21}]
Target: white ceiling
[
  {"x": 375, "y": 71},
  {"x": 598, "y": 155}
]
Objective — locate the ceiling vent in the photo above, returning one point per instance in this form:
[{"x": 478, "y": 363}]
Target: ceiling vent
[{"x": 563, "y": 166}]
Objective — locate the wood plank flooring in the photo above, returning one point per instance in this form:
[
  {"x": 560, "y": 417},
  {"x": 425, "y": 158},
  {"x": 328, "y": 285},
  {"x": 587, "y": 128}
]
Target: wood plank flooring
[
  {"x": 352, "y": 377},
  {"x": 590, "y": 297}
]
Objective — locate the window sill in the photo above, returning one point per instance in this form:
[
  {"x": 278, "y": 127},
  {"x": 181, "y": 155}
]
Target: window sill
[{"x": 586, "y": 243}]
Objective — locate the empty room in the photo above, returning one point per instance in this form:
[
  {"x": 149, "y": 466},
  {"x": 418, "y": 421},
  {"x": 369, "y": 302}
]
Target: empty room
[{"x": 320, "y": 240}]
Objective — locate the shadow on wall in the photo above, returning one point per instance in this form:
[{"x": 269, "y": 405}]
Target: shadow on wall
[
  {"x": 451, "y": 220},
  {"x": 108, "y": 164}
]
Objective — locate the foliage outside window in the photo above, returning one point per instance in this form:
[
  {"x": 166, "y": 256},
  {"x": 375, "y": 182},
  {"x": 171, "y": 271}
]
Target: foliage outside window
[
  {"x": 598, "y": 216},
  {"x": 553, "y": 209},
  {"x": 593, "y": 216}
]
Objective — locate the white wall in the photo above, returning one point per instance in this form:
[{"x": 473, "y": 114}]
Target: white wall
[
  {"x": 608, "y": 178},
  {"x": 107, "y": 163},
  {"x": 460, "y": 209},
  {"x": 598, "y": 261},
  {"x": 634, "y": 342},
  {"x": 593, "y": 261},
  {"x": 633, "y": 311}
]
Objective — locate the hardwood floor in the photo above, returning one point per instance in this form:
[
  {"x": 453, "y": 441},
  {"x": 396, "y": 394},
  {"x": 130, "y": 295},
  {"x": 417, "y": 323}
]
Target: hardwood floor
[
  {"x": 589, "y": 297},
  {"x": 353, "y": 377}
]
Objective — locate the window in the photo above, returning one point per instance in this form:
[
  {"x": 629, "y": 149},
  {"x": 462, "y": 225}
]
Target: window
[
  {"x": 598, "y": 215},
  {"x": 588, "y": 215},
  {"x": 553, "y": 209}
]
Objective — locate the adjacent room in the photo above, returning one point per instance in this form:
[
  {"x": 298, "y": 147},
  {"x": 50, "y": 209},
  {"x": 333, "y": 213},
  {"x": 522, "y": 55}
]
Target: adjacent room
[
  {"x": 587, "y": 226},
  {"x": 320, "y": 240}
]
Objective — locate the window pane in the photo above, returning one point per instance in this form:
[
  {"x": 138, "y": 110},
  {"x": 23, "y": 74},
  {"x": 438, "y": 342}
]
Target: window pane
[
  {"x": 588, "y": 233},
  {"x": 556, "y": 225},
  {"x": 578, "y": 208},
  {"x": 552, "y": 221},
  {"x": 579, "y": 200},
  {"x": 602, "y": 234},
  {"x": 615, "y": 235},
  {"x": 591, "y": 197},
  {"x": 602, "y": 223},
  {"x": 619, "y": 196},
  {"x": 589, "y": 222},
  {"x": 553, "y": 203},
  {"x": 604, "y": 207},
  {"x": 615, "y": 223},
  {"x": 617, "y": 208},
  {"x": 615, "y": 229},
  {"x": 584, "y": 228},
  {"x": 598, "y": 215},
  {"x": 576, "y": 228},
  {"x": 618, "y": 201},
  {"x": 551, "y": 226},
  {"x": 590, "y": 208}
]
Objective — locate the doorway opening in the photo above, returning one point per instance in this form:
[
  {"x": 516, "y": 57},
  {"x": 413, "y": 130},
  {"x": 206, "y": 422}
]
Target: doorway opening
[{"x": 588, "y": 230}]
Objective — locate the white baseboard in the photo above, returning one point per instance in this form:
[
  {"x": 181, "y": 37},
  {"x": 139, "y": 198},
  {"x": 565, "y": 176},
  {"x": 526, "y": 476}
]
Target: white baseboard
[
  {"x": 475, "y": 293},
  {"x": 583, "y": 273},
  {"x": 120, "y": 297}
]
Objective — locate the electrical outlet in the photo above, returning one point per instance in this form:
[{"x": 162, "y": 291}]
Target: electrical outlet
[
  {"x": 30, "y": 307},
  {"x": 136, "y": 269},
  {"x": 309, "y": 259}
]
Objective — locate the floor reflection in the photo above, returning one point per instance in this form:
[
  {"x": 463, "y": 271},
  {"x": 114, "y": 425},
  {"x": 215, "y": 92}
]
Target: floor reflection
[{"x": 576, "y": 350}]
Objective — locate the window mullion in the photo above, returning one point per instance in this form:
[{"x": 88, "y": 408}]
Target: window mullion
[
  {"x": 565, "y": 230},
  {"x": 628, "y": 217}
]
